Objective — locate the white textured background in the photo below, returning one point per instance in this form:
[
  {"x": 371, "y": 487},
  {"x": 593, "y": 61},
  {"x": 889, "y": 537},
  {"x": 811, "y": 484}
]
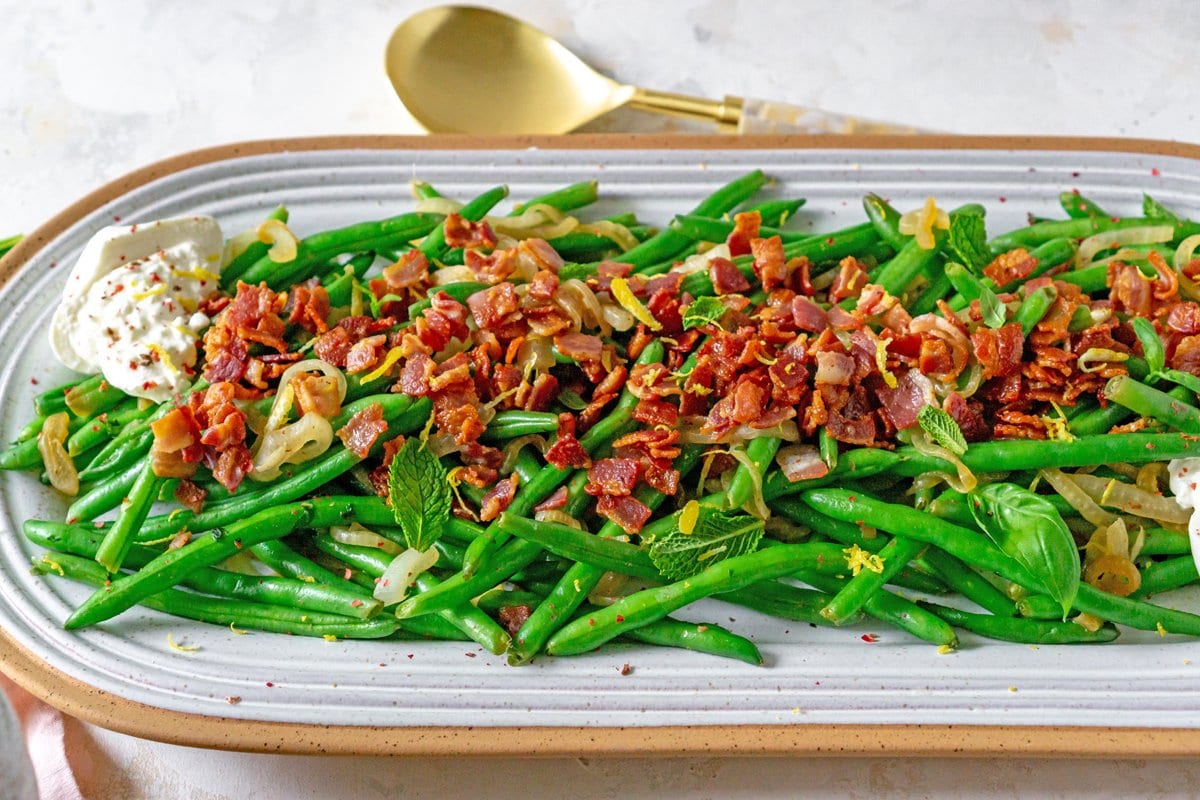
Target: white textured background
[{"x": 91, "y": 90}]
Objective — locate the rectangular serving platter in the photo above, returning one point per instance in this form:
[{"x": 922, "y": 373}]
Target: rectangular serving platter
[{"x": 820, "y": 691}]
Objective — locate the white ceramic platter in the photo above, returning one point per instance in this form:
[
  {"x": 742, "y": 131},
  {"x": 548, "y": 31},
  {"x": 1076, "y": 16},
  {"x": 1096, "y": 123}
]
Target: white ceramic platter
[{"x": 811, "y": 676}]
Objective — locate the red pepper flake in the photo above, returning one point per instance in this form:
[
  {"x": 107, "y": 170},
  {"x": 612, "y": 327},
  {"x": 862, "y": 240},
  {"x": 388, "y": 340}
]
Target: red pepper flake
[
  {"x": 469, "y": 655},
  {"x": 237, "y": 543},
  {"x": 1074, "y": 174},
  {"x": 592, "y": 621},
  {"x": 270, "y": 685},
  {"x": 347, "y": 573},
  {"x": 410, "y": 655},
  {"x": 624, "y": 669},
  {"x": 358, "y": 604},
  {"x": 829, "y": 241},
  {"x": 853, "y": 498},
  {"x": 870, "y": 638},
  {"x": 116, "y": 218},
  {"x": 1003, "y": 199},
  {"x": 620, "y": 618},
  {"x": 34, "y": 381},
  {"x": 1155, "y": 172}
]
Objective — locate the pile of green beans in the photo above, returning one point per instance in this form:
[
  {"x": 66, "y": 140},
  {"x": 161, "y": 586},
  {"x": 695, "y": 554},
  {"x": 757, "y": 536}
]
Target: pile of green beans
[{"x": 873, "y": 538}]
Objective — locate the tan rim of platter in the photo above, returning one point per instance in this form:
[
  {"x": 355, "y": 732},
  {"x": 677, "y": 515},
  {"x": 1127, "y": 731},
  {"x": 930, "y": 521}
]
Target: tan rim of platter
[{"x": 116, "y": 713}]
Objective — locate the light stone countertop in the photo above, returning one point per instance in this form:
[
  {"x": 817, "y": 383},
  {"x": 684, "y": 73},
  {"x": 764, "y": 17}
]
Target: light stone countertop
[{"x": 89, "y": 91}]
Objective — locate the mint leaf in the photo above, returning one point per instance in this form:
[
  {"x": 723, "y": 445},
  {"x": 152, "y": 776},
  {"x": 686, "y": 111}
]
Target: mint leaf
[
  {"x": 716, "y": 536},
  {"x": 702, "y": 311},
  {"x": 995, "y": 314},
  {"x": 1152, "y": 346},
  {"x": 942, "y": 428},
  {"x": 419, "y": 493},
  {"x": 967, "y": 240},
  {"x": 1028, "y": 528},
  {"x": 1153, "y": 209}
]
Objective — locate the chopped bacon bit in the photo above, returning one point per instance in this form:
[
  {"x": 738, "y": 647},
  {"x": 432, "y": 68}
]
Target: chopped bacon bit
[
  {"x": 770, "y": 264},
  {"x": 491, "y": 307},
  {"x": 554, "y": 501},
  {"x": 849, "y": 281},
  {"x": 628, "y": 512},
  {"x": 498, "y": 498},
  {"x": 745, "y": 229},
  {"x": 513, "y": 617},
  {"x": 567, "y": 452},
  {"x": 999, "y": 350},
  {"x": 579, "y": 346},
  {"x": 317, "y": 394},
  {"x": 612, "y": 476},
  {"x": 361, "y": 430},
  {"x": 1012, "y": 266},
  {"x": 410, "y": 270},
  {"x": 190, "y": 496},
  {"x": 726, "y": 277},
  {"x": 656, "y": 412},
  {"x": 1130, "y": 290},
  {"x": 309, "y": 307},
  {"x": 465, "y": 233},
  {"x": 365, "y": 353},
  {"x": 543, "y": 286}
]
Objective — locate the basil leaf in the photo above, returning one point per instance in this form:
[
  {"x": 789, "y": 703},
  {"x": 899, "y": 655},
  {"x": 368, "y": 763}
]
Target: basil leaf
[
  {"x": 1152, "y": 346},
  {"x": 1152, "y": 209},
  {"x": 716, "y": 536},
  {"x": 967, "y": 240},
  {"x": 942, "y": 428},
  {"x": 419, "y": 493},
  {"x": 1027, "y": 527},
  {"x": 995, "y": 313},
  {"x": 702, "y": 311}
]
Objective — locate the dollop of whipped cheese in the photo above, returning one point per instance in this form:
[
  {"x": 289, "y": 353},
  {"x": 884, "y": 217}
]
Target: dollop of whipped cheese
[
  {"x": 1184, "y": 483},
  {"x": 129, "y": 309}
]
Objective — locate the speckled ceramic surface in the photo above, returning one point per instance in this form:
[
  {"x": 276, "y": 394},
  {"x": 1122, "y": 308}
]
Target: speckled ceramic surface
[{"x": 812, "y": 677}]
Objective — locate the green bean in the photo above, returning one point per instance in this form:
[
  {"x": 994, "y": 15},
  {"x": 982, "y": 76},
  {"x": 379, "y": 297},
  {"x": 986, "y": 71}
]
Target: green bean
[
  {"x": 853, "y": 465},
  {"x": 828, "y": 447},
  {"x": 648, "y": 605},
  {"x": 511, "y": 424},
  {"x": 1135, "y": 613},
  {"x": 128, "y": 446},
  {"x": 968, "y": 286},
  {"x": 962, "y": 579},
  {"x": 606, "y": 554},
  {"x": 318, "y": 248},
  {"x": 470, "y": 620},
  {"x": 503, "y": 564},
  {"x": 896, "y": 611},
  {"x": 937, "y": 289},
  {"x": 134, "y": 510},
  {"x": 1162, "y": 542},
  {"x": 783, "y": 600},
  {"x": 1043, "y": 232},
  {"x": 86, "y": 401},
  {"x": 173, "y": 566},
  {"x": 499, "y": 598},
  {"x": 1017, "y": 629},
  {"x": 55, "y": 400},
  {"x": 281, "y": 557},
  {"x": 1039, "y": 606},
  {"x": 1147, "y": 401},
  {"x": 252, "y": 254},
  {"x": 104, "y": 425},
  {"x": 710, "y": 229},
  {"x": 1034, "y": 308},
  {"x": 1089, "y": 279},
  {"x": 226, "y": 611},
  {"x": 460, "y": 291},
  {"x": 700, "y": 637},
  {"x": 568, "y": 198},
  {"x": 886, "y": 221},
  {"x": 1079, "y": 207},
  {"x": 760, "y": 452},
  {"x": 894, "y": 556},
  {"x": 775, "y": 212},
  {"x": 340, "y": 285},
  {"x": 549, "y": 479},
  {"x": 669, "y": 243},
  {"x": 1164, "y": 576},
  {"x": 899, "y": 520},
  {"x": 104, "y": 495},
  {"x": 434, "y": 246}
]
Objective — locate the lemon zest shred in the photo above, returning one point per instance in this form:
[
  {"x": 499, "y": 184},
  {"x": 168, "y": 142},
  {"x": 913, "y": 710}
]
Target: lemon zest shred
[
  {"x": 329, "y": 637},
  {"x": 179, "y": 647},
  {"x": 1108, "y": 490},
  {"x": 857, "y": 559},
  {"x": 625, "y": 297},
  {"x": 688, "y": 517},
  {"x": 199, "y": 274},
  {"x": 237, "y": 631},
  {"x": 921, "y": 222},
  {"x": 164, "y": 357},
  {"x": 389, "y": 361},
  {"x": 54, "y": 565},
  {"x": 150, "y": 292},
  {"x": 945, "y": 649},
  {"x": 1158, "y": 626},
  {"x": 881, "y": 346}
]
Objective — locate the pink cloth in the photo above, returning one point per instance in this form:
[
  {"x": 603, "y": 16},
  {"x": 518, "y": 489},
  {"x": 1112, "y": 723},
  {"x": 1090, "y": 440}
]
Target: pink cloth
[{"x": 45, "y": 737}]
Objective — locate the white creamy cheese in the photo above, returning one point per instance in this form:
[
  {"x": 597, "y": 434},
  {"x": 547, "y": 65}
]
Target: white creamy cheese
[
  {"x": 1185, "y": 478},
  {"x": 129, "y": 307}
]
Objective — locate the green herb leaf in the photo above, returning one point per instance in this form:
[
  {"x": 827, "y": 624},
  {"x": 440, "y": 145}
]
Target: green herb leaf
[
  {"x": 571, "y": 400},
  {"x": 995, "y": 313},
  {"x": 702, "y": 311},
  {"x": 1185, "y": 379},
  {"x": 942, "y": 428},
  {"x": 1153, "y": 209},
  {"x": 419, "y": 493},
  {"x": 1152, "y": 346},
  {"x": 967, "y": 240},
  {"x": 1027, "y": 527},
  {"x": 717, "y": 535}
]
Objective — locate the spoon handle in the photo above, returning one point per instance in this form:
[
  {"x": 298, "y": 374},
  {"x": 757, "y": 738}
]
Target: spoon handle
[{"x": 765, "y": 116}]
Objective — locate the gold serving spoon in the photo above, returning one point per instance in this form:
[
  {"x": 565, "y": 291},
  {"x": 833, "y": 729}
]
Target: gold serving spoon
[{"x": 461, "y": 69}]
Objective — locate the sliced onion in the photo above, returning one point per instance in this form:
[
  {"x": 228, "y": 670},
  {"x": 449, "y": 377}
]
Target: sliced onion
[
  {"x": 442, "y": 444},
  {"x": 59, "y": 466},
  {"x": 1131, "y": 499},
  {"x": 974, "y": 380},
  {"x": 578, "y": 301},
  {"x": 303, "y": 440},
  {"x": 241, "y": 562},
  {"x": 1078, "y": 499},
  {"x": 513, "y": 449},
  {"x": 963, "y": 481},
  {"x": 536, "y": 221},
  {"x": 284, "y": 244},
  {"x": 1185, "y": 252},
  {"x": 1148, "y": 234},
  {"x": 439, "y": 205},
  {"x": 359, "y": 536},
  {"x": 617, "y": 318},
  {"x": 611, "y": 230},
  {"x": 456, "y": 274},
  {"x": 698, "y": 262},
  {"x": 757, "y": 504},
  {"x": 1124, "y": 254},
  {"x": 1113, "y": 574},
  {"x": 559, "y": 516},
  {"x": 281, "y": 406},
  {"x": 396, "y": 580},
  {"x": 1152, "y": 476},
  {"x": 1101, "y": 356},
  {"x": 613, "y": 586},
  {"x": 237, "y": 245},
  {"x": 690, "y": 433},
  {"x": 536, "y": 354}
]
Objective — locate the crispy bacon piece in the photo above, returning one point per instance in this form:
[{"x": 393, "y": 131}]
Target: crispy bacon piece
[
  {"x": 513, "y": 617},
  {"x": 858, "y": 430},
  {"x": 317, "y": 394},
  {"x": 365, "y": 353},
  {"x": 498, "y": 498},
  {"x": 1012, "y": 266},
  {"x": 309, "y": 307},
  {"x": 726, "y": 277},
  {"x": 745, "y": 229},
  {"x": 849, "y": 281},
  {"x": 651, "y": 443},
  {"x": 543, "y": 286},
  {"x": 1186, "y": 357},
  {"x": 579, "y": 346},
  {"x": 410, "y": 270},
  {"x": 1129, "y": 289},
  {"x": 612, "y": 476},
  {"x": 491, "y": 307},
  {"x": 492, "y": 267},
  {"x": 175, "y": 431},
  {"x": 541, "y": 254},
  {"x": 190, "y": 496},
  {"x": 999, "y": 350},
  {"x": 656, "y": 412},
  {"x": 461, "y": 232},
  {"x": 628, "y": 512},
  {"x": 801, "y": 462},
  {"x": 333, "y": 346},
  {"x": 361, "y": 430},
  {"x": 554, "y": 501},
  {"x": 1184, "y": 318},
  {"x": 567, "y": 452},
  {"x": 968, "y": 415},
  {"x": 834, "y": 368},
  {"x": 770, "y": 264},
  {"x": 899, "y": 406}
]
